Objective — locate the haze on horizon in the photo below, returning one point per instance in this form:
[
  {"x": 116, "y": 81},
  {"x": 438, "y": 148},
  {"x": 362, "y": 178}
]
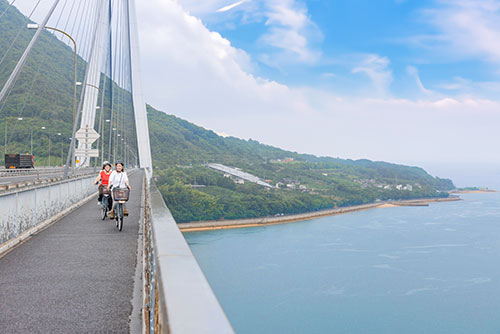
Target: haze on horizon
[{"x": 411, "y": 82}]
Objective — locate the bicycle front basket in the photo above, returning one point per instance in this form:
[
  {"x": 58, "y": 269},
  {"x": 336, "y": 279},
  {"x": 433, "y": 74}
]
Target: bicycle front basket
[
  {"x": 120, "y": 194},
  {"x": 103, "y": 190}
]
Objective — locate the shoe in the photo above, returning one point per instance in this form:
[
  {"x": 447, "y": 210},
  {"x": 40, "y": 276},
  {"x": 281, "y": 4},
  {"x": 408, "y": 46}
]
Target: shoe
[
  {"x": 111, "y": 215},
  {"x": 98, "y": 203},
  {"x": 125, "y": 212}
]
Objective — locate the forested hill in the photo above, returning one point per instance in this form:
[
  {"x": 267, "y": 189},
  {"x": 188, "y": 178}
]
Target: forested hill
[
  {"x": 181, "y": 150},
  {"x": 178, "y": 142},
  {"x": 301, "y": 182},
  {"x": 40, "y": 104}
]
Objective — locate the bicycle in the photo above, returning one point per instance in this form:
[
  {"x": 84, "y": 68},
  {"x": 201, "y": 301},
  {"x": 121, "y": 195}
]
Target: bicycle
[
  {"x": 120, "y": 196},
  {"x": 106, "y": 204}
]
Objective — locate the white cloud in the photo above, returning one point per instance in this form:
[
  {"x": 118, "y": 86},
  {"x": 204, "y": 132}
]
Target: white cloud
[
  {"x": 458, "y": 83},
  {"x": 291, "y": 35},
  {"x": 376, "y": 68},
  {"x": 229, "y": 7},
  {"x": 466, "y": 28},
  {"x": 328, "y": 75},
  {"x": 202, "y": 8},
  {"x": 465, "y": 87},
  {"x": 413, "y": 71},
  {"x": 291, "y": 30},
  {"x": 197, "y": 75},
  {"x": 286, "y": 13}
]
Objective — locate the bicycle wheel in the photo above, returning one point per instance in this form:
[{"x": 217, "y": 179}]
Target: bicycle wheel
[
  {"x": 120, "y": 218},
  {"x": 117, "y": 216},
  {"x": 116, "y": 213},
  {"x": 104, "y": 207}
]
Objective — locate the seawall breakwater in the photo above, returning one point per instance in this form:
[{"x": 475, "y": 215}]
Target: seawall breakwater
[{"x": 253, "y": 222}]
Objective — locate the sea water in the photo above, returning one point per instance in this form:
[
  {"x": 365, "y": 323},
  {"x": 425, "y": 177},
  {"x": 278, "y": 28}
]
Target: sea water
[{"x": 429, "y": 269}]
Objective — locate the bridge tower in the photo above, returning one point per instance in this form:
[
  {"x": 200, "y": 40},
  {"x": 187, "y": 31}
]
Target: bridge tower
[
  {"x": 100, "y": 30},
  {"x": 96, "y": 64}
]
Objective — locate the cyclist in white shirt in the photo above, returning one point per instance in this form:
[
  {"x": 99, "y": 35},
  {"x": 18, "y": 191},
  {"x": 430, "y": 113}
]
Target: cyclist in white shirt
[{"x": 118, "y": 179}]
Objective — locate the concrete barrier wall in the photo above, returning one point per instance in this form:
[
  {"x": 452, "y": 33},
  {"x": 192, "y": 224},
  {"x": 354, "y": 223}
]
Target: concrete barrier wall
[
  {"x": 23, "y": 209},
  {"x": 180, "y": 300}
]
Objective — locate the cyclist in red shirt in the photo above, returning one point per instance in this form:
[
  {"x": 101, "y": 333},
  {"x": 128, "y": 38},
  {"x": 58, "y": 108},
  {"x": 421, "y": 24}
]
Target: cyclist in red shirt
[{"x": 103, "y": 177}]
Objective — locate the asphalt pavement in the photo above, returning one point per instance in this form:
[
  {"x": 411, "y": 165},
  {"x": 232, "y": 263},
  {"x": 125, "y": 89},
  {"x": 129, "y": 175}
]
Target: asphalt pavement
[{"x": 75, "y": 277}]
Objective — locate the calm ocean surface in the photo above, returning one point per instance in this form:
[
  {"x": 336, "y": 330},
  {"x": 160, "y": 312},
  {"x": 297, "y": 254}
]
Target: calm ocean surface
[{"x": 429, "y": 269}]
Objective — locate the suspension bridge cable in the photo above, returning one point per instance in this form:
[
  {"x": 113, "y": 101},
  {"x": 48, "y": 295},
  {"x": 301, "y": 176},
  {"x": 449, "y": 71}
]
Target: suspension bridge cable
[
  {"x": 68, "y": 20},
  {"x": 130, "y": 131},
  {"x": 87, "y": 34},
  {"x": 77, "y": 16},
  {"x": 109, "y": 70},
  {"x": 59, "y": 18},
  {"x": 78, "y": 33},
  {"x": 6, "y": 9},
  {"x": 21, "y": 28},
  {"x": 100, "y": 140},
  {"x": 90, "y": 34},
  {"x": 92, "y": 37},
  {"x": 119, "y": 115},
  {"x": 78, "y": 114},
  {"x": 28, "y": 94},
  {"x": 114, "y": 82},
  {"x": 20, "y": 64}
]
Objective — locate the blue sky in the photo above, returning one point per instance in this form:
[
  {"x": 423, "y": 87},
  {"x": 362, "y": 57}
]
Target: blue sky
[
  {"x": 404, "y": 81},
  {"x": 339, "y": 33},
  {"x": 407, "y": 81}
]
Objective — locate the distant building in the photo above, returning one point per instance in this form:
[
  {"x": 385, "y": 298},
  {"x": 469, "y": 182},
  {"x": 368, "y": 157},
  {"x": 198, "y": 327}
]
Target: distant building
[{"x": 238, "y": 173}]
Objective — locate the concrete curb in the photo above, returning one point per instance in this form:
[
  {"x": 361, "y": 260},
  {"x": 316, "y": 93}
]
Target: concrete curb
[
  {"x": 9, "y": 245},
  {"x": 136, "y": 316}
]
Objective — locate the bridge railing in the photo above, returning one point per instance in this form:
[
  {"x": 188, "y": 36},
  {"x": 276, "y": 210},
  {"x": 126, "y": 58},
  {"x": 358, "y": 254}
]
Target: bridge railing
[
  {"x": 41, "y": 175},
  {"x": 26, "y": 211},
  {"x": 41, "y": 171},
  {"x": 178, "y": 298}
]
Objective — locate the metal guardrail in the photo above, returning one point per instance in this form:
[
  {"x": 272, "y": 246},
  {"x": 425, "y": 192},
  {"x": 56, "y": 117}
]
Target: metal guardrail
[
  {"x": 24, "y": 209},
  {"x": 178, "y": 298},
  {"x": 39, "y": 171},
  {"x": 43, "y": 176}
]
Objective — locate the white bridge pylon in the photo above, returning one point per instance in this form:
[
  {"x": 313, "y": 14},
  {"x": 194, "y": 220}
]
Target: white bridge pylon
[
  {"x": 93, "y": 77},
  {"x": 96, "y": 66}
]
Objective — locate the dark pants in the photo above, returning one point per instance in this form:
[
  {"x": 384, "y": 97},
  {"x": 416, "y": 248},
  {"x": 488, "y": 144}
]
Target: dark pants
[
  {"x": 110, "y": 198},
  {"x": 110, "y": 201}
]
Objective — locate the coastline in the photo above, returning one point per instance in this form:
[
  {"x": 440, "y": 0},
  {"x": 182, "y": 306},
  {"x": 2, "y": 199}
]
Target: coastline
[
  {"x": 480, "y": 191},
  {"x": 253, "y": 222}
]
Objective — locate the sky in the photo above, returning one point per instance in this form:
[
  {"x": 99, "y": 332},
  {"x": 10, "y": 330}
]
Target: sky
[{"x": 403, "y": 81}]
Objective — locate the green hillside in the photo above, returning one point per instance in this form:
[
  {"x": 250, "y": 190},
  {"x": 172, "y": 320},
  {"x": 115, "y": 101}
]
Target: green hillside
[
  {"x": 306, "y": 182},
  {"x": 181, "y": 150},
  {"x": 43, "y": 93}
]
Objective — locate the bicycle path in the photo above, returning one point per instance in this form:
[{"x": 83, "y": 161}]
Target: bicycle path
[{"x": 76, "y": 276}]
